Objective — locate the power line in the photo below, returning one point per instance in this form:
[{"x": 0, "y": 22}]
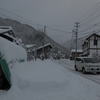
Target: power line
[
  {"x": 58, "y": 30},
  {"x": 35, "y": 23},
  {"x": 79, "y": 20},
  {"x": 88, "y": 28},
  {"x": 59, "y": 36},
  {"x": 91, "y": 19},
  {"x": 20, "y": 16},
  {"x": 46, "y": 26},
  {"x": 91, "y": 16},
  {"x": 30, "y": 23}
]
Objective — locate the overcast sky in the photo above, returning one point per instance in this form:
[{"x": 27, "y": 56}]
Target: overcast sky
[{"x": 55, "y": 14}]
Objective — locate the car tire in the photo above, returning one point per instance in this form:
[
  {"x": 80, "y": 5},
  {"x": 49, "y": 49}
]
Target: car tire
[
  {"x": 75, "y": 68},
  {"x": 83, "y": 70},
  {"x": 98, "y": 72}
]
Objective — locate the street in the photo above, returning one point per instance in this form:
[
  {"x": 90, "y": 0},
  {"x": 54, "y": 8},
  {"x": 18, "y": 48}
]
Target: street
[{"x": 70, "y": 66}]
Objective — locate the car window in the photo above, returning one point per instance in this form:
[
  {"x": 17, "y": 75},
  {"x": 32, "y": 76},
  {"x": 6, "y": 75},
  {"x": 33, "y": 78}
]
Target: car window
[
  {"x": 89, "y": 60},
  {"x": 80, "y": 60},
  {"x": 77, "y": 59}
]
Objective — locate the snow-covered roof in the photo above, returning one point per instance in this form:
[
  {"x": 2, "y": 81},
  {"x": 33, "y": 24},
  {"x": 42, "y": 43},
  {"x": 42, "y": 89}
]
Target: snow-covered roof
[
  {"x": 30, "y": 45},
  {"x": 78, "y": 50},
  {"x": 49, "y": 44},
  {"x": 5, "y": 29},
  {"x": 94, "y": 34},
  {"x": 85, "y": 57}
]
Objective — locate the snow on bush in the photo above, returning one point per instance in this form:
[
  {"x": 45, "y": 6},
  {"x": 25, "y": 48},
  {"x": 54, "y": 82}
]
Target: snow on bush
[{"x": 11, "y": 52}]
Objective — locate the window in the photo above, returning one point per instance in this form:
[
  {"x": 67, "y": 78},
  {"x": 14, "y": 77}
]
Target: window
[{"x": 95, "y": 40}]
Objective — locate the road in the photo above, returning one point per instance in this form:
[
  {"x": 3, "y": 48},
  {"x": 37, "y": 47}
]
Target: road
[{"x": 70, "y": 66}]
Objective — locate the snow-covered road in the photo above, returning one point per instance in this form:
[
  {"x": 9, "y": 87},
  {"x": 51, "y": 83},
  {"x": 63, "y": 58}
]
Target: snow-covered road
[
  {"x": 48, "y": 80},
  {"x": 70, "y": 66}
]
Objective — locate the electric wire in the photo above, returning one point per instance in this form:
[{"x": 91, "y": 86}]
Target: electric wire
[
  {"x": 20, "y": 16},
  {"x": 91, "y": 19},
  {"x": 59, "y": 35},
  {"x": 58, "y": 30},
  {"x": 32, "y": 21},
  {"x": 90, "y": 27},
  {"x": 89, "y": 13}
]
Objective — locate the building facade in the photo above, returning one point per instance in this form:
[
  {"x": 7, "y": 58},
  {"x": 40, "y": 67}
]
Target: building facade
[
  {"x": 73, "y": 51},
  {"x": 91, "y": 45},
  {"x": 43, "y": 51}
]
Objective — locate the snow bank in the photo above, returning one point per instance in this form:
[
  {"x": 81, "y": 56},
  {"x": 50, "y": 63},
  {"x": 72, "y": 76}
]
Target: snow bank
[
  {"x": 11, "y": 52},
  {"x": 38, "y": 76}
]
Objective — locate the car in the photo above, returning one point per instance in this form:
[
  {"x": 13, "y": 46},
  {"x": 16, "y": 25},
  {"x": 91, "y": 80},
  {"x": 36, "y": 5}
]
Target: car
[{"x": 87, "y": 64}]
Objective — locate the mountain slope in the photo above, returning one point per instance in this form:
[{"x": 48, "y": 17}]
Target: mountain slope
[{"x": 29, "y": 35}]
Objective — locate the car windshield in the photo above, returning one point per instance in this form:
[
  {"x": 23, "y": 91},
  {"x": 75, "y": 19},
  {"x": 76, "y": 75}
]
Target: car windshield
[{"x": 89, "y": 60}]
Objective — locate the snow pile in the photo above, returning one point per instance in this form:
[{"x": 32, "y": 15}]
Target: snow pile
[
  {"x": 11, "y": 52},
  {"x": 46, "y": 80}
]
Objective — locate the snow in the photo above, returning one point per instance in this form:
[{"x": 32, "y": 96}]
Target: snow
[
  {"x": 30, "y": 45},
  {"x": 5, "y": 28},
  {"x": 11, "y": 51},
  {"x": 48, "y": 44},
  {"x": 47, "y": 80},
  {"x": 79, "y": 50}
]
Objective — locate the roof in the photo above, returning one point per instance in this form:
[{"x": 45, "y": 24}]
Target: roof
[
  {"x": 92, "y": 35},
  {"x": 84, "y": 57},
  {"x": 49, "y": 44},
  {"x": 30, "y": 45},
  {"x": 4, "y": 29},
  {"x": 79, "y": 50}
]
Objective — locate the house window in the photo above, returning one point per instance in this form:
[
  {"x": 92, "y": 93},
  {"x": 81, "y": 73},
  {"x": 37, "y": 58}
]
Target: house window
[{"x": 95, "y": 40}]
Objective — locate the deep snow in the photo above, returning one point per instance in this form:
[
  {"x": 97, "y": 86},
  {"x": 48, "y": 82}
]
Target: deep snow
[
  {"x": 44, "y": 80},
  {"x": 11, "y": 52},
  {"x": 47, "y": 80}
]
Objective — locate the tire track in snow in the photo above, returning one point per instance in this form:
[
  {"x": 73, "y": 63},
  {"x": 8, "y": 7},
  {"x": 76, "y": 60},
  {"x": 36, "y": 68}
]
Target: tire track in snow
[{"x": 95, "y": 78}]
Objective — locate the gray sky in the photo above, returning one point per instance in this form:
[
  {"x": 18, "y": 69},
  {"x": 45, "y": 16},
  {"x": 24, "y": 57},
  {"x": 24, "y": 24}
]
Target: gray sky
[{"x": 55, "y": 14}]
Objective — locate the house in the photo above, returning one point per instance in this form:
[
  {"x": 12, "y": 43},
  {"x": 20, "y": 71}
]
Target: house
[
  {"x": 43, "y": 50},
  {"x": 7, "y": 33},
  {"x": 73, "y": 51},
  {"x": 29, "y": 49},
  {"x": 91, "y": 45}
]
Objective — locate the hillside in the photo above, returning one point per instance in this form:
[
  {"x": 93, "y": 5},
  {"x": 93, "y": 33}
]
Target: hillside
[
  {"x": 30, "y": 35},
  {"x": 71, "y": 44}
]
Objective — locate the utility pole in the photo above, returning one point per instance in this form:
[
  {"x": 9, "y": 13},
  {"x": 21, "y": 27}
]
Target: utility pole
[
  {"x": 43, "y": 40},
  {"x": 72, "y": 40},
  {"x": 76, "y": 33},
  {"x": 44, "y": 29}
]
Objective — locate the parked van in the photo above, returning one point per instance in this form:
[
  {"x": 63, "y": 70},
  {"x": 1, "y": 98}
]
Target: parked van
[{"x": 87, "y": 64}]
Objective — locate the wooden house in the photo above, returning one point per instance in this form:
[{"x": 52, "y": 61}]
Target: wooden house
[
  {"x": 43, "y": 50},
  {"x": 73, "y": 51}
]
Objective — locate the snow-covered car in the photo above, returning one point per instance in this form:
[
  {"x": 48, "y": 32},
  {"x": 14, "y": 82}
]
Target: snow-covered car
[{"x": 87, "y": 64}]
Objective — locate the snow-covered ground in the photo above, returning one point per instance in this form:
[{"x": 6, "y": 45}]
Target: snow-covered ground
[
  {"x": 44, "y": 80},
  {"x": 47, "y": 80}
]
